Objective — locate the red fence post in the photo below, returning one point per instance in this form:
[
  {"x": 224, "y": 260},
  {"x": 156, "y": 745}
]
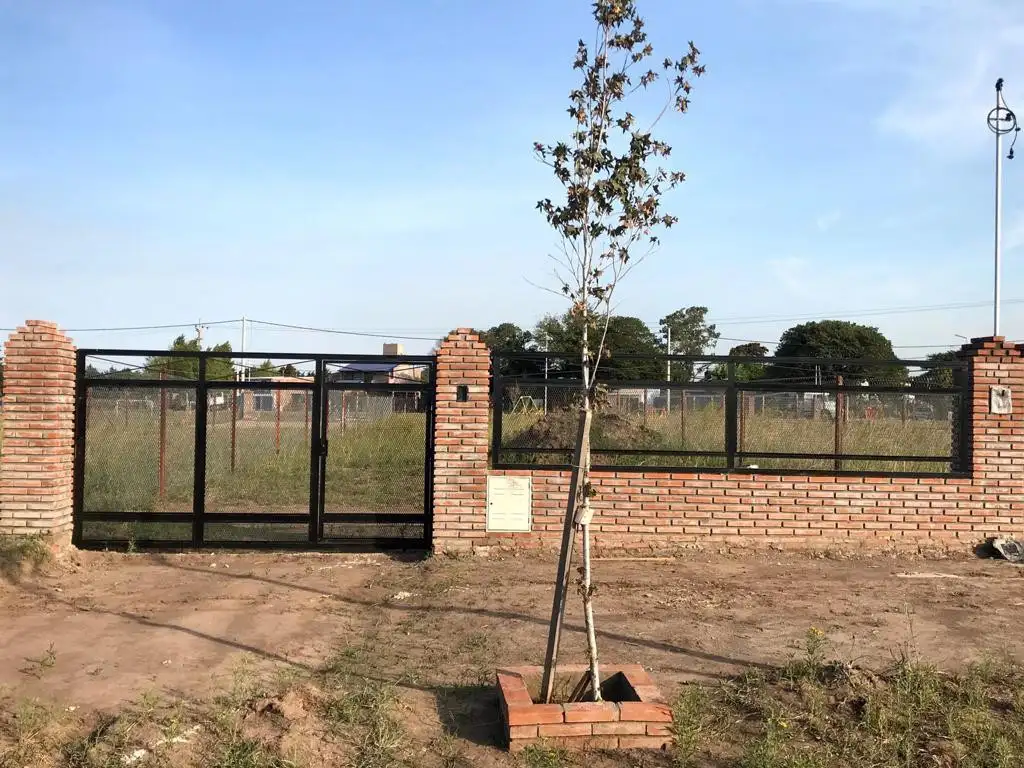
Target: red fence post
[
  {"x": 162, "y": 472},
  {"x": 682, "y": 422},
  {"x": 234, "y": 425},
  {"x": 840, "y": 417},
  {"x": 741, "y": 440},
  {"x": 277, "y": 421}
]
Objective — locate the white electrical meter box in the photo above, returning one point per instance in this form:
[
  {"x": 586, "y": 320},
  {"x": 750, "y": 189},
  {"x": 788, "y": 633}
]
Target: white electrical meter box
[{"x": 509, "y": 503}]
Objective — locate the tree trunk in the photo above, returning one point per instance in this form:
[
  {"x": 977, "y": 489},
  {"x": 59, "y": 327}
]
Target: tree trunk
[
  {"x": 583, "y": 514},
  {"x": 588, "y": 616},
  {"x": 565, "y": 558}
]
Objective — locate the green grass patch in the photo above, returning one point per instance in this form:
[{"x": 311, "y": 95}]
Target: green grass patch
[{"x": 823, "y": 712}]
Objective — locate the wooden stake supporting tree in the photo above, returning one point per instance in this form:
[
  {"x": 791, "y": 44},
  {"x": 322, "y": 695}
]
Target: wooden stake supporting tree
[{"x": 612, "y": 208}]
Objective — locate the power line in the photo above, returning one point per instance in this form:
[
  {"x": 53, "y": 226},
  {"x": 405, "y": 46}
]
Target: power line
[
  {"x": 876, "y": 312},
  {"x": 343, "y": 333},
  {"x": 895, "y": 346},
  {"x": 137, "y": 327},
  {"x": 284, "y": 326}
]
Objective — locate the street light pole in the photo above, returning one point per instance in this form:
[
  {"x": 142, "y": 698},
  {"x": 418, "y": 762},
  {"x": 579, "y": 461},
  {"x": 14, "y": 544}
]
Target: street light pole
[
  {"x": 668, "y": 370},
  {"x": 1001, "y": 121}
]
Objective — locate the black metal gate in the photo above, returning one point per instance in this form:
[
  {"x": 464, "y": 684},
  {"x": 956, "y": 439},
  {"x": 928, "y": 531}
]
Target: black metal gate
[{"x": 189, "y": 449}]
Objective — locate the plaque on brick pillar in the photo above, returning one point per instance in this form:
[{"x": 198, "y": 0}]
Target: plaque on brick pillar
[
  {"x": 1000, "y": 400},
  {"x": 509, "y": 501}
]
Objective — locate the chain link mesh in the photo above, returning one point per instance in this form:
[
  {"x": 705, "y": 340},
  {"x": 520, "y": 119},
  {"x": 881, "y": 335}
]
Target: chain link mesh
[
  {"x": 377, "y": 453},
  {"x": 258, "y": 451},
  {"x": 650, "y": 426},
  {"x": 131, "y": 463}
]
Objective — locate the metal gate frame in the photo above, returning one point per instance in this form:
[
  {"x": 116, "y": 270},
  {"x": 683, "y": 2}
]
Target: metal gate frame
[{"x": 316, "y": 517}]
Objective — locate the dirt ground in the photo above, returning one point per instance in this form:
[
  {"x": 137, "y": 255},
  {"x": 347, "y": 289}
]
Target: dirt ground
[{"x": 100, "y": 630}]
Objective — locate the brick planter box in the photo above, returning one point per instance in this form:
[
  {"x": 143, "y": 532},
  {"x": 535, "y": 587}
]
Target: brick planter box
[{"x": 634, "y": 715}]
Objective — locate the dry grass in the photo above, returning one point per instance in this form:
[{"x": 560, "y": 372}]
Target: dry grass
[
  {"x": 376, "y": 466},
  {"x": 22, "y": 555},
  {"x": 818, "y": 712},
  {"x": 764, "y": 431}
]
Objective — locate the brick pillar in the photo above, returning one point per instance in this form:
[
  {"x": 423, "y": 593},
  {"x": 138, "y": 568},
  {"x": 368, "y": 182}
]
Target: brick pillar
[
  {"x": 996, "y": 448},
  {"x": 460, "y": 441},
  {"x": 37, "y": 456}
]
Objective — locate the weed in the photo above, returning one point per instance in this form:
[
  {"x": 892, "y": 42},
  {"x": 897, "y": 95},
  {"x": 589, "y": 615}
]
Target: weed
[
  {"x": 347, "y": 660},
  {"x": 810, "y": 665},
  {"x": 359, "y": 707},
  {"x": 541, "y": 756},
  {"x": 247, "y": 753},
  {"x": 692, "y": 724},
  {"x": 93, "y": 749},
  {"x": 379, "y": 745},
  {"x": 246, "y": 684},
  {"x": 36, "y": 667},
  {"x": 21, "y": 553},
  {"x": 30, "y": 718},
  {"x": 449, "y": 752},
  {"x": 815, "y": 712}
]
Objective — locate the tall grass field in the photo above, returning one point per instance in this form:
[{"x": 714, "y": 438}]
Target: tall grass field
[{"x": 759, "y": 432}]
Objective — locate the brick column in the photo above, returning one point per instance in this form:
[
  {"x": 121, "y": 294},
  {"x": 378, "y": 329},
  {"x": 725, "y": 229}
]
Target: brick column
[
  {"x": 460, "y": 441},
  {"x": 37, "y": 456},
  {"x": 996, "y": 448}
]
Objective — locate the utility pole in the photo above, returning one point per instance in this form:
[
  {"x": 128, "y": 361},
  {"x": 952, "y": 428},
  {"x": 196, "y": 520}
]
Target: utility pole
[
  {"x": 199, "y": 333},
  {"x": 668, "y": 369},
  {"x": 242, "y": 369},
  {"x": 545, "y": 374},
  {"x": 1001, "y": 121}
]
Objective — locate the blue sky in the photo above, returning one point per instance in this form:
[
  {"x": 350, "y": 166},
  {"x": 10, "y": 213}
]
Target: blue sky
[{"x": 368, "y": 165}]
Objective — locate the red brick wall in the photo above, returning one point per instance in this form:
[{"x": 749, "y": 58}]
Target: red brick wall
[
  {"x": 460, "y": 441},
  {"x": 660, "y": 511},
  {"x": 37, "y": 455}
]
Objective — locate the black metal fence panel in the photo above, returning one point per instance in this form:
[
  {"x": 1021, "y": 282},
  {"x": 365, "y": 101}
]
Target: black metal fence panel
[
  {"x": 720, "y": 413},
  {"x": 195, "y": 450}
]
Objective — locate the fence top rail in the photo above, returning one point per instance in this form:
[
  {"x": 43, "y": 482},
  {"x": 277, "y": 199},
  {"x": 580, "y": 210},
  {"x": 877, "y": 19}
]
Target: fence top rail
[
  {"x": 781, "y": 361},
  {"x": 211, "y": 354},
  {"x": 720, "y": 386}
]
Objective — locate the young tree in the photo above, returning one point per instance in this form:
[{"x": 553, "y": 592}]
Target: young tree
[{"x": 613, "y": 189}]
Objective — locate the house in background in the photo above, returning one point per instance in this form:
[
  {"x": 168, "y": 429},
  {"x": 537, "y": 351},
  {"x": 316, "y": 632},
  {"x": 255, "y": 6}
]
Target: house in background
[
  {"x": 252, "y": 402},
  {"x": 345, "y": 405},
  {"x": 380, "y": 373}
]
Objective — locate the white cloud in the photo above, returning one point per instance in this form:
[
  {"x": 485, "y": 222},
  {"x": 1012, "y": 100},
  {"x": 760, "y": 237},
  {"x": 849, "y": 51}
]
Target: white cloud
[{"x": 942, "y": 58}]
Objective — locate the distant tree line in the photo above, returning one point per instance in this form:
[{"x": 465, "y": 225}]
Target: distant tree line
[
  {"x": 841, "y": 342},
  {"x": 187, "y": 368}
]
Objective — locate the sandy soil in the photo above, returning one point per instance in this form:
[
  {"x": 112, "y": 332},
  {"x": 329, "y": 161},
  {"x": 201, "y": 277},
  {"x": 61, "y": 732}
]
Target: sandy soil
[{"x": 112, "y": 627}]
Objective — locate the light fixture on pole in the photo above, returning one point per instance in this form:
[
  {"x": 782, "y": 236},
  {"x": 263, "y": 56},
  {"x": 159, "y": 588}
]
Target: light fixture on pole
[{"x": 1001, "y": 121}]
